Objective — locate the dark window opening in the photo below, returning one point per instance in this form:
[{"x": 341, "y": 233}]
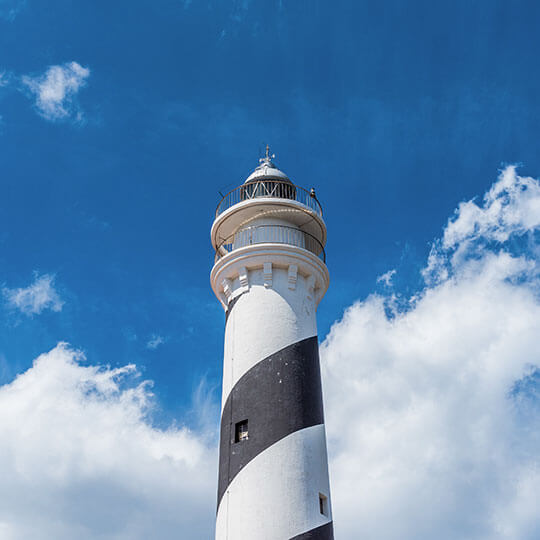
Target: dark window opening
[
  {"x": 241, "y": 431},
  {"x": 323, "y": 504}
]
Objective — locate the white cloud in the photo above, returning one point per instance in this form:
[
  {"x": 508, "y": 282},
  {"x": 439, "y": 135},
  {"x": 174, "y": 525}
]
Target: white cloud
[
  {"x": 81, "y": 459},
  {"x": 4, "y": 78},
  {"x": 155, "y": 341},
  {"x": 386, "y": 278},
  {"x": 35, "y": 298},
  {"x": 9, "y": 9},
  {"x": 511, "y": 206},
  {"x": 56, "y": 91},
  {"x": 511, "y": 209},
  {"x": 433, "y": 414}
]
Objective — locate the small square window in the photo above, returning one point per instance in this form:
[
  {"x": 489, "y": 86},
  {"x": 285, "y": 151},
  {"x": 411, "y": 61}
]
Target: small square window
[
  {"x": 323, "y": 504},
  {"x": 241, "y": 431}
]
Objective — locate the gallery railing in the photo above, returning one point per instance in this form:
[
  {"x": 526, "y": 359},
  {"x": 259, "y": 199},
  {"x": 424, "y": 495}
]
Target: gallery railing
[
  {"x": 271, "y": 234},
  {"x": 270, "y": 188}
]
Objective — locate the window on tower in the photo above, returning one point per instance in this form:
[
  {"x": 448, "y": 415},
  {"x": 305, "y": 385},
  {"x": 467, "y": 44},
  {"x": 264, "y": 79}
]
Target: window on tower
[
  {"x": 323, "y": 504},
  {"x": 241, "y": 431}
]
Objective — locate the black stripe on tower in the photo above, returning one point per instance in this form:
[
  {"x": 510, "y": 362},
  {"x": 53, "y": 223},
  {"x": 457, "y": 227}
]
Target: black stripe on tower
[
  {"x": 278, "y": 396},
  {"x": 325, "y": 532}
]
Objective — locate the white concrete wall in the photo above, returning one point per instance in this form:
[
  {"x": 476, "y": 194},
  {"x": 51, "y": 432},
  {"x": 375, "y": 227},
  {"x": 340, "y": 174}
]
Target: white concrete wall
[
  {"x": 276, "y": 496},
  {"x": 265, "y": 320}
]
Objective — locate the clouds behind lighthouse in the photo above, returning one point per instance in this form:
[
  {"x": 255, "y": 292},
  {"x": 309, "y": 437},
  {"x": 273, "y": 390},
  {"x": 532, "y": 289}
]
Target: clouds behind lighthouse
[
  {"x": 432, "y": 411},
  {"x": 81, "y": 458}
]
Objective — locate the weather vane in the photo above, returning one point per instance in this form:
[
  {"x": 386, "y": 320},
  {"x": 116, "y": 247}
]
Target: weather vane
[{"x": 268, "y": 157}]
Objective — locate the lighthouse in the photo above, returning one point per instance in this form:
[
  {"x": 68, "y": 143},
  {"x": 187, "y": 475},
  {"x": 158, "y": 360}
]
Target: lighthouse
[{"x": 270, "y": 275}]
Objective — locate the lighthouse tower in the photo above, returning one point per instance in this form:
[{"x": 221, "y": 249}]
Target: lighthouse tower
[{"x": 269, "y": 275}]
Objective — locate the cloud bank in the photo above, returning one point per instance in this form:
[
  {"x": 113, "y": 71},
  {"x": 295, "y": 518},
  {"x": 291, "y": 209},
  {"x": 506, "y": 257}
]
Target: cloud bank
[
  {"x": 433, "y": 411},
  {"x": 81, "y": 459},
  {"x": 55, "y": 91},
  {"x": 35, "y": 298}
]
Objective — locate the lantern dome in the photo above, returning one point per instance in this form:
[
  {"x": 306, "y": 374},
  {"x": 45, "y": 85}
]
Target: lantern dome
[{"x": 267, "y": 171}]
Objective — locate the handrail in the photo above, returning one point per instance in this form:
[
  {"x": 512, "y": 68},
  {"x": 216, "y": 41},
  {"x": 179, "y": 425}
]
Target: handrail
[
  {"x": 270, "y": 234},
  {"x": 269, "y": 188}
]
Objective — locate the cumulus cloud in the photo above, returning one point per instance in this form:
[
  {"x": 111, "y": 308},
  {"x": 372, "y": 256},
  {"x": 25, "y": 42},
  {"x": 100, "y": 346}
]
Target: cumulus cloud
[
  {"x": 80, "y": 458},
  {"x": 155, "y": 341},
  {"x": 511, "y": 206},
  {"x": 35, "y": 298},
  {"x": 386, "y": 278},
  {"x": 433, "y": 411},
  {"x": 55, "y": 91},
  {"x": 510, "y": 211}
]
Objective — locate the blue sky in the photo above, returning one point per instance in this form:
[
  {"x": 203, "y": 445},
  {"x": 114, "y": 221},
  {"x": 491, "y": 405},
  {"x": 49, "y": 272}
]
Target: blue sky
[{"x": 395, "y": 112}]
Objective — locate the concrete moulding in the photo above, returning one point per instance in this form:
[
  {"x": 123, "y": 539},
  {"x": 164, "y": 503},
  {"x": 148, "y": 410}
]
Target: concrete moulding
[
  {"x": 267, "y": 274},
  {"x": 238, "y": 263},
  {"x": 227, "y": 288},
  {"x": 243, "y": 277},
  {"x": 234, "y": 217},
  {"x": 292, "y": 276}
]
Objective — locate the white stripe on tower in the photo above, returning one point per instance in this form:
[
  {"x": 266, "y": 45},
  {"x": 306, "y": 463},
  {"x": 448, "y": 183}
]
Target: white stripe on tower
[
  {"x": 264, "y": 322},
  {"x": 273, "y": 470},
  {"x": 282, "y": 490}
]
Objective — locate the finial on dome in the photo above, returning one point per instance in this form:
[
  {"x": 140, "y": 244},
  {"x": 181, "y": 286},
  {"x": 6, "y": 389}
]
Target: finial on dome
[
  {"x": 266, "y": 170},
  {"x": 267, "y": 158}
]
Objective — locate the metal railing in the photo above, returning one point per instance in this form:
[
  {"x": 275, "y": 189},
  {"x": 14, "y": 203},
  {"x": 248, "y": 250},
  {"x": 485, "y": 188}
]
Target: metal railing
[
  {"x": 271, "y": 234},
  {"x": 270, "y": 188}
]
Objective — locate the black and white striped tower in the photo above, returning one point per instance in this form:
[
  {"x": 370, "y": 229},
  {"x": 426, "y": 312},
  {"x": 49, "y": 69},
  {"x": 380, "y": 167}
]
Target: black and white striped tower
[{"x": 270, "y": 275}]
